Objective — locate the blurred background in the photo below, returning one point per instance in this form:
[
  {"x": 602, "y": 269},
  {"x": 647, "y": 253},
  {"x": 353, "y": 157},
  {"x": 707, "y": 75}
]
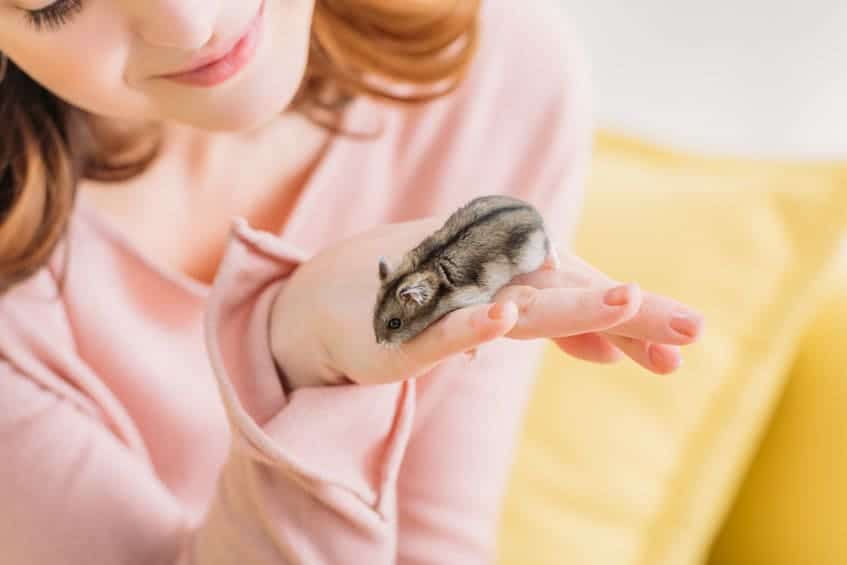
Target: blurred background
[
  {"x": 754, "y": 77},
  {"x": 720, "y": 168}
]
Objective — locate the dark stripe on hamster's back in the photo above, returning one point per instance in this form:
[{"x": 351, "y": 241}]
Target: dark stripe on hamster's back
[
  {"x": 478, "y": 251},
  {"x": 517, "y": 239},
  {"x": 474, "y": 211},
  {"x": 445, "y": 272},
  {"x": 432, "y": 253}
]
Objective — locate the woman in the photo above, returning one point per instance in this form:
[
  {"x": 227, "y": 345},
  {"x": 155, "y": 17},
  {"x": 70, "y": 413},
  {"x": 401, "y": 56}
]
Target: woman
[{"x": 189, "y": 256}]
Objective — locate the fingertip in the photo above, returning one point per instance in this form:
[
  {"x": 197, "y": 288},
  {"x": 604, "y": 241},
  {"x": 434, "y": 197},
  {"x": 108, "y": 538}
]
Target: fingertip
[
  {"x": 636, "y": 297},
  {"x": 622, "y": 295},
  {"x": 621, "y": 303},
  {"x": 496, "y": 319},
  {"x": 511, "y": 315},
  {"x": 664, "y": 359},
  {"x": 495, "y": 312},
  {"x": 689, "y": 326},
  {"x": 503, "y": 311}
]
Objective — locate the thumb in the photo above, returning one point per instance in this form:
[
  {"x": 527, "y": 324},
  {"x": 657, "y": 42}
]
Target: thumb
[{"x": 457, "y": 332}]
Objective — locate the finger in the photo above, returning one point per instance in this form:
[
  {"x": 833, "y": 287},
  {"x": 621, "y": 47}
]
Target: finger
[
  {"x": 457, "y": 332},
  {"x": 592, "y": 347},
  {"x": 570, "y": 271},
  {"x": 662, "y": 320},
  {"x": 561, "y": 312},
  {"x": 657, "y": 358},
  {"x": 659, "y": 320}
]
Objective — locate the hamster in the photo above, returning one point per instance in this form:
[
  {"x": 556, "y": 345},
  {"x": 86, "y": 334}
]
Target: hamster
[{"x": 480, "y": 248}]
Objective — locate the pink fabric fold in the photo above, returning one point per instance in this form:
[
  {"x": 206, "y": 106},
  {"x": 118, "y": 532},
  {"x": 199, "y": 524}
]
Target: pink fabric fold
[{"x": 356, "y": 433}]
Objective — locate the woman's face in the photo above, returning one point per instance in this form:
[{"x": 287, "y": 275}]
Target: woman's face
[{"x": 131, "y": 59}]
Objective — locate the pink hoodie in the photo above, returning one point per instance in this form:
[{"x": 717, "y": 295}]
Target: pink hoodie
[{"x": 141, "y": 418}]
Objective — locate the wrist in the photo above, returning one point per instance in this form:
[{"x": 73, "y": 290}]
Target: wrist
[
  {"x": 287, "y": 386},
  {"x": 294, "y": 350},
  {"x": 278, "y": 346}
]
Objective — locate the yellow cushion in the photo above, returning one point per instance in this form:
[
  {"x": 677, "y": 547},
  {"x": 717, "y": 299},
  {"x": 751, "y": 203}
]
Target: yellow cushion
[
  {"x": 792, "y": 506},
  {"x": 618, "y": 466}
]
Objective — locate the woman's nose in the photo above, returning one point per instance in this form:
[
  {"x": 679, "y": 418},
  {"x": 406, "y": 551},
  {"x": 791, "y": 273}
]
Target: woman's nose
[{"x": 180, "y": 24}]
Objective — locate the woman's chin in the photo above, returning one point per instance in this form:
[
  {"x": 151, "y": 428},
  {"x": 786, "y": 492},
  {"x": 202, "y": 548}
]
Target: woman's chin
[
  {"x": 242, "y": 119},
  {"x": 247, "y": 112}
]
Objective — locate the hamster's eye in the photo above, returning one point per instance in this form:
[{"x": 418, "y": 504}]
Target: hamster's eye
[{"x": 394, "y": 324}]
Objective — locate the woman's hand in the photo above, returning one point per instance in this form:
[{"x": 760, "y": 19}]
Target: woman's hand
[
  {"x": 321, "y": 324},
  {"x": 651, "y": 337}
]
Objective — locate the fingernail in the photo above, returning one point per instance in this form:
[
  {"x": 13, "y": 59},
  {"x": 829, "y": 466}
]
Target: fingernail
[
  {"x": 500, "y": 311},
  {"x": 496, "y": 311},
  {"x": 659, "y": 359},
  {"x": 618, "y": 296},
  {"x": 685, "y": 325},
  {"x": 655, "y": 356}
]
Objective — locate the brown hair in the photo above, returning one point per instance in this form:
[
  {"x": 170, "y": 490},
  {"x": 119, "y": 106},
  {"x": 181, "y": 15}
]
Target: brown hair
[{"x": 358, "y": 47}]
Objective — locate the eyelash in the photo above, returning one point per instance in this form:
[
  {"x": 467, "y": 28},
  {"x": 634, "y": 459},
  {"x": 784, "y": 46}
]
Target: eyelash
[{"x": 55, "y": 15}]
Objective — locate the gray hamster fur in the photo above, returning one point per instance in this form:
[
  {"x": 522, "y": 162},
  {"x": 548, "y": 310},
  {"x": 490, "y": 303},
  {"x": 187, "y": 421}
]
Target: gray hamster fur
[{"x": 480, "y": 248}]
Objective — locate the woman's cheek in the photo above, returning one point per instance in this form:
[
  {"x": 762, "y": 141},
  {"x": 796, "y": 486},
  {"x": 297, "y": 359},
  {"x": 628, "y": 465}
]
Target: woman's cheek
[
  {"x": 86, "y": 65},
  {"x": 100, "y": 80}
]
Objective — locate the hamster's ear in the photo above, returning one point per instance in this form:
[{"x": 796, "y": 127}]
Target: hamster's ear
[
  {"x": 384, "y": 268},
  {"x": 417, "y": 292}
]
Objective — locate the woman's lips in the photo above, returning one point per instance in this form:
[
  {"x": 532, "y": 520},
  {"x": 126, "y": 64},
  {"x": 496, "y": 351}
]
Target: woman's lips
[{"x": 215, "y": 69}]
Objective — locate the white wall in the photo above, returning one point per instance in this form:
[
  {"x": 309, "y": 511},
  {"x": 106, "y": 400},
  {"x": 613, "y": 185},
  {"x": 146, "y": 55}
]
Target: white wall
[{"x": 760, "y": 77}]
